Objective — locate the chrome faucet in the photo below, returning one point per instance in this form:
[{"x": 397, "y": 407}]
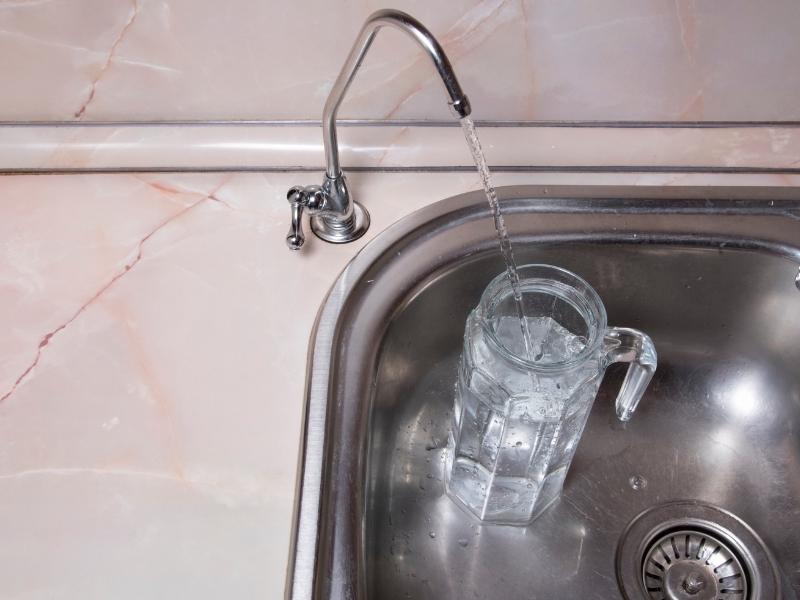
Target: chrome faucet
[{"x": 335, "y": 216}]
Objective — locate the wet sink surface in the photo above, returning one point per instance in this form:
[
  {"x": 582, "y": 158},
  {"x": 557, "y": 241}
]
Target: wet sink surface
[{"x": 720, "y": 423}]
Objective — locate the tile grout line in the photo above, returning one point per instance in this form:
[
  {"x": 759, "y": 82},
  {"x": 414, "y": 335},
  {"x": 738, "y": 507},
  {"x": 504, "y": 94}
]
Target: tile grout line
[{"x": 556, "y": 123}]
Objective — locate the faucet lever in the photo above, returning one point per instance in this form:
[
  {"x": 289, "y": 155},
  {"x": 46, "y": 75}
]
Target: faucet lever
[{"x": 299, "y": 198}]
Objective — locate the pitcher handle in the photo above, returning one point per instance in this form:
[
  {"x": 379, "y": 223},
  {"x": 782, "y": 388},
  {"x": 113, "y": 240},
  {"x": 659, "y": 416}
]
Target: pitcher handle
[{"x": 635, "y": 347}]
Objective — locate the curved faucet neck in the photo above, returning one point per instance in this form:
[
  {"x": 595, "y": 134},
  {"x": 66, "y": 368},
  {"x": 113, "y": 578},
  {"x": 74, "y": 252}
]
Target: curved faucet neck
[
  {"x": 335, "y": 216},
  {"x": 404, "y": 22}
]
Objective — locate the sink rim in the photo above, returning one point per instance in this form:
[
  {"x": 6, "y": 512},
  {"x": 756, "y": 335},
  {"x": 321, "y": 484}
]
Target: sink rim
[{"x": 742, "y": 207}]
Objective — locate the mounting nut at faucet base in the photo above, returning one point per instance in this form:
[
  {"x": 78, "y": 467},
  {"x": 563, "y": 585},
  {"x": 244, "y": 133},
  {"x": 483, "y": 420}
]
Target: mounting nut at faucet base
[{"x": 337, "y": 231}]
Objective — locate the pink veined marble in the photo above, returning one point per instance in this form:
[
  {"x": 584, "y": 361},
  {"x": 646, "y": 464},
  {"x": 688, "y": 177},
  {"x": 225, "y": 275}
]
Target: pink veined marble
[{"x": 518, "y": 59}]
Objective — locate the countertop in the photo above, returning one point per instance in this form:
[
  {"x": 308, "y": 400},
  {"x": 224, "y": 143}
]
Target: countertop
[{"x": 153, "y": 366}]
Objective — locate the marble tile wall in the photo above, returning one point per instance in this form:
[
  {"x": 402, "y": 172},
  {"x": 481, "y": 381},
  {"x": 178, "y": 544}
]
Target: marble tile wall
[{"x": 688, "y": 60}]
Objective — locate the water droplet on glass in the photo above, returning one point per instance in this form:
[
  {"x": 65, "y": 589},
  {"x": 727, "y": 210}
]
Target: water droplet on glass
[
  {"x": 637, "y": 482},
  {"x": 463, "y": 542},
  {"x": 797, "y": 280},
  {"x": 432, "y": 534},
  {"x": 518, "y": 444}
]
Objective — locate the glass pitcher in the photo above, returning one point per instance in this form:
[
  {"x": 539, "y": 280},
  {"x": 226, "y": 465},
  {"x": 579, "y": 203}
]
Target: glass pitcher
[{"x": 520, "y": 409}]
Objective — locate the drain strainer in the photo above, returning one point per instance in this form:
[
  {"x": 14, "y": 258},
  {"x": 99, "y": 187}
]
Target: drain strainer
[
  {"x": 693, "y": 564},
  {"x": 693, "y": 551}
]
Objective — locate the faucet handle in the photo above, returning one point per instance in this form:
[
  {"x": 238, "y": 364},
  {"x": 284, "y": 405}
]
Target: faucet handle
[
  {"x": 311, "y": 197},
  {"x": 296, "y": 238}
]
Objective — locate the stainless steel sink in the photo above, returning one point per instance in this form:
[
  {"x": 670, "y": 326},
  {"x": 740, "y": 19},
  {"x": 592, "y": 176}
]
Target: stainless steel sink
[{"x": 712, "y": 452}]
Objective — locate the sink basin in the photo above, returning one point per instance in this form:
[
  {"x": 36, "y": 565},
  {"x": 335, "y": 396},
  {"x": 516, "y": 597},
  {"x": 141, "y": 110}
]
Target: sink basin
[{"x": 713, "y": 451}]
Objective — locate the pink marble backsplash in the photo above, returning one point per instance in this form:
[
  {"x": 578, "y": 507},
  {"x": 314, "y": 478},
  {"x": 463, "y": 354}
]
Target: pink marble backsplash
[{"x": 518, "y": 59}]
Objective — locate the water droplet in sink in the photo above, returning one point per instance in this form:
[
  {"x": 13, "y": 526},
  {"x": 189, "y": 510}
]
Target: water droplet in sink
[
  {"x": 797, "y": 280},
  {"x": 463, "y": 542},
  {"x": 637, "y": 482},
  {"x": 432, "y": 534}
]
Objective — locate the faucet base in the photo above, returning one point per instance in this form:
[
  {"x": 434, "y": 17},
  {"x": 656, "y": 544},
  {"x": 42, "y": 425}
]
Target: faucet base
[{"x": 337, "y": 231}]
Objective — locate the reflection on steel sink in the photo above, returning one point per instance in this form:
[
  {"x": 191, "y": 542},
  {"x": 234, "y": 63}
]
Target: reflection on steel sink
[{"x": 709, "y": 274}]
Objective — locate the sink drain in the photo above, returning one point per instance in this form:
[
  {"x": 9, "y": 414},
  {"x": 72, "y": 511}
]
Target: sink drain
[
  {"x": 693, "y": 563},
  {"x": 693, "y": 551}
]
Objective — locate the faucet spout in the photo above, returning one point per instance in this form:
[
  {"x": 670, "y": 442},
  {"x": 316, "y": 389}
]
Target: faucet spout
[
  {"x": 408, "y": 24},
  {"x": 335, "y": 217}
]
